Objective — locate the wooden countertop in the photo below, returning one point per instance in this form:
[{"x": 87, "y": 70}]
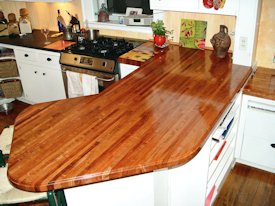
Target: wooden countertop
[
  {"x": 142, "y": 54},
  {"x": 157, "y": 117},
  {"x": 262, "y": 84}
]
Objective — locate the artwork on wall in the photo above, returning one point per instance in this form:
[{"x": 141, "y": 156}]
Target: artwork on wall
[
  {"x": 217, "y": 4},
  {"x": 193, "y": 33}
]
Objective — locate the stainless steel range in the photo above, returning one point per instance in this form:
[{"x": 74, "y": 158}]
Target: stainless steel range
[{"x": 97, "y": 58}]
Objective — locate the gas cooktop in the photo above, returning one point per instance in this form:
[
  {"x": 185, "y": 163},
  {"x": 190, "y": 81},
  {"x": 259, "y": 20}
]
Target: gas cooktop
[{"x": 102, "y": 47}]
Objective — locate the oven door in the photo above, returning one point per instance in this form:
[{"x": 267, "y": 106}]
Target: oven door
[{"x": 104, "y": 79}]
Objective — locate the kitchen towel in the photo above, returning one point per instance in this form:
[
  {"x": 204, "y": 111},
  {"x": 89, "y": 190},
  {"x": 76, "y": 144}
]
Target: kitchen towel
[
  {"x": 81, "y": 84},
  {"x": 89, "y": 85}
]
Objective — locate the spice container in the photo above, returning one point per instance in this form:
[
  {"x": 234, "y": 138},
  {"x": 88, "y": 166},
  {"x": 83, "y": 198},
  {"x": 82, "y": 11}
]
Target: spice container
[
  {"x": 13, "y": 26},
  {"x": 24, "y": 21}
]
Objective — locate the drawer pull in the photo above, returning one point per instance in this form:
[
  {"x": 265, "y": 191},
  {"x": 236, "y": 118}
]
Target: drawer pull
[
  {"x": 44, "y": 74},
  {"x": 35, "y": 72},
  {"x": 272, "y": 145},
  {"x": 220, "y": 151},
  {"x": 26, "y": 55},
  {"x": 210, "y": 196},
  {"x": 216, "y": 140},
  {"x": 49, "y": 59}
]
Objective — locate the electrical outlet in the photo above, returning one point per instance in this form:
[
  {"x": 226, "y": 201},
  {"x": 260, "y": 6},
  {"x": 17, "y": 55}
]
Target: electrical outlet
[{"x": 243, "y": 43}]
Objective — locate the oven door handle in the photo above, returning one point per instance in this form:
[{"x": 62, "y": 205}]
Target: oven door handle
[{"x": 105, "y": 80}]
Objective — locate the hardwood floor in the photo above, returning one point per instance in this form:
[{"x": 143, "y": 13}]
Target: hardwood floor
[
  {"x": 10, "y": 118},
  {"x": 245, "y": 186}
]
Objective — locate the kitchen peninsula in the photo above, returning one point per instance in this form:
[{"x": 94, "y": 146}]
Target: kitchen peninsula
[{"x": 159, "y": 118}]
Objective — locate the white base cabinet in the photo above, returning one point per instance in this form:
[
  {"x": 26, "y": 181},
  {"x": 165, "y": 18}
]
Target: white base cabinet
[
  {"x": 41, "y": 84},
  {"x": 184, "y": 185},
  {"x": 256, "y": 142},
  {"x": 40, "y": 74}
]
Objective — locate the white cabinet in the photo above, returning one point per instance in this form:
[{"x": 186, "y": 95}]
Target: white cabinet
[
  {"x": 175, "y": 5},
  {"x": 230, "y": 7},
  {"x": 40, "y": 0},
  {"x": 41, "y": 84},
  {"x": 257, "y": 133},
  {"x": 40, "y": 75},
  {"x": 223, "y": 140},
  {"x": 126, "y": 69}
]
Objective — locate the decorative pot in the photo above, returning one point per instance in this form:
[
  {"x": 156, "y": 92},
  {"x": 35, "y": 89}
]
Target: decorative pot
[
  {"x": 159, "y": 40},
  {"x": 221, "y": 42}
]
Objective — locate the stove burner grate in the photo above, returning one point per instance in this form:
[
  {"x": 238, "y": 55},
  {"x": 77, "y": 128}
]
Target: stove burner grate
[{"x": 102, "y": 47}]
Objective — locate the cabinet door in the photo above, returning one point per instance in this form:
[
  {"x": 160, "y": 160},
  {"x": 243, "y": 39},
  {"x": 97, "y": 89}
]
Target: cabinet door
[
  {"x": 175, "y": 5},
  {"x": 41, "y": 84},
  {"x": 31, "y": 83},
  {"x": 53, "y": 86},
  {"x": 259, "y": 135}
]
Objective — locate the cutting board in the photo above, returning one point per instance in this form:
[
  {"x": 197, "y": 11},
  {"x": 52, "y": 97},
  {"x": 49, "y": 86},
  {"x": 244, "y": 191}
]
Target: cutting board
[{"x": 59, "y": 45}]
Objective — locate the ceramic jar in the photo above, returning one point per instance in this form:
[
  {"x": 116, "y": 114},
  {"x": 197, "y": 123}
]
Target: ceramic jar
[
  {"x": 221, "y": 42},
  {"x": 103, "y": 15}
]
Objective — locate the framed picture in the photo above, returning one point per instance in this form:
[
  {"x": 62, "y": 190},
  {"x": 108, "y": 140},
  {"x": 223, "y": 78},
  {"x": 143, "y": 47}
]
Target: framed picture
[
  {"x": 193, "y": 33},
  {"x": 133, "y": 11}
]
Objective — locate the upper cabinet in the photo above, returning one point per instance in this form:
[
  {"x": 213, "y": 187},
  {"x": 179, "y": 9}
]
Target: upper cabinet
[
  {"x": 39, "y": 0},
  {"x": 175, "y": 5},
  {"x": 230, "y": 6}
]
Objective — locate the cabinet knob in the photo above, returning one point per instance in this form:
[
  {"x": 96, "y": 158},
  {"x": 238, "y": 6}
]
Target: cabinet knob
[
  {"x": 272, "y": 145},
  {"x": 35, "y": 72},
  {"x": 44, "y": 74},
  {"x": 26, "y": 55},
  {"x": 49, "y": 59},
  {"x": 75, "y": 58}
]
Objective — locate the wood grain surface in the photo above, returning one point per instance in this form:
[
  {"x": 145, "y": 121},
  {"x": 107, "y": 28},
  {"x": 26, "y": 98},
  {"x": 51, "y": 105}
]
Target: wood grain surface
[
  {"x": 262, "y": 84},
  {"x": 157, "y": 117},
  {"x": 142, "y": 54}
]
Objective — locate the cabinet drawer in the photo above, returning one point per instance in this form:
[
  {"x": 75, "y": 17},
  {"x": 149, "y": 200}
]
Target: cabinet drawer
[
  {"x": 226, "y": 148},
  {"x": 25, "y": 55},
  {"x": 48, "y": 59},
  {"x": 222, "y": 169},
  {"x": 259, "y": 151}
]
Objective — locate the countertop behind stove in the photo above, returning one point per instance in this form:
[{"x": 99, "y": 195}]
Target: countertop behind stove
[{"x": 34, "y": 40}]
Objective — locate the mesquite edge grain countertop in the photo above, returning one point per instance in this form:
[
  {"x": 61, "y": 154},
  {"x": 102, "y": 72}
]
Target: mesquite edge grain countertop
[{"x": 157, "y": 117}]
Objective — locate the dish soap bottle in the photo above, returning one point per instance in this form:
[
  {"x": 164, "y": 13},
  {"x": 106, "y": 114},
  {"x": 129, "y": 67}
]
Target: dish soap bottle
[{"x": 24, "y": 22}]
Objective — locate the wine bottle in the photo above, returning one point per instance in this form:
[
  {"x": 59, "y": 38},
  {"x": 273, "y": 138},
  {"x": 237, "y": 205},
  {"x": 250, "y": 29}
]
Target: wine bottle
[{"x": 59, "y": 24}]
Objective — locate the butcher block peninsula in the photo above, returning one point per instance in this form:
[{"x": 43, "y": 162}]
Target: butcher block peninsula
[{"x": 159, "y": 118}]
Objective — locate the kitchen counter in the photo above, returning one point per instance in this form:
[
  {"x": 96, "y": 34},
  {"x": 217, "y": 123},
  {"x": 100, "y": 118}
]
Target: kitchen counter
[
  {"x": 262, "y": 84},
  {"x": 34, "y": 40},
  {"x": 158, "y": 117},
  {"x": 141, "y": 55}
]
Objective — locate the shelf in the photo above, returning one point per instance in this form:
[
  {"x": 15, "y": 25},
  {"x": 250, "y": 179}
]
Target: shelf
[{"x": 120, "y": 27}]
